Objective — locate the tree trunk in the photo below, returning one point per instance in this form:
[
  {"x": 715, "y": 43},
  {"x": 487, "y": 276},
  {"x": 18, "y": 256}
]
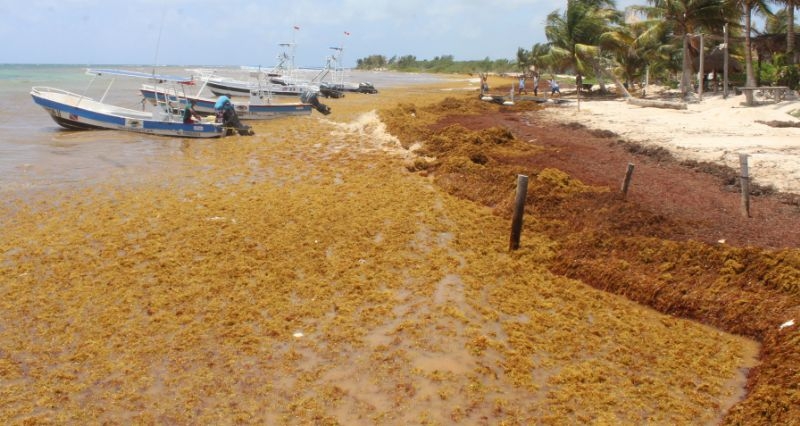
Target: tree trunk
[
  {"x": 655, "y": 103},
  {"x": 600, "y": 75},
  {"x": 748, "y": 54},
  {"x": 621, "y": 87},
  {"x": 685, "y": 66},
  {"x": 790, "y": 31}
]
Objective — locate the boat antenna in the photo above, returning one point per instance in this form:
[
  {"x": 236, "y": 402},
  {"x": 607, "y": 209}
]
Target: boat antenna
[
  {"x": 339, "y": 54},
  {"x": 294, "y": 46},
  {"x": 158, "y": 41}
]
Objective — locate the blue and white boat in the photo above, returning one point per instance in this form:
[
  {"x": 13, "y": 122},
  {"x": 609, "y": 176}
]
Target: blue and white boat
[
  {"x": 74, "y": 111},
  {"x": 258, "y": 106}
]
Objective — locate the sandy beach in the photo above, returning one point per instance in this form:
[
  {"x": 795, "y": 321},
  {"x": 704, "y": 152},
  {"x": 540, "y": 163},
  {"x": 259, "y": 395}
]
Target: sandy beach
[{"x": 713, "y": 129}]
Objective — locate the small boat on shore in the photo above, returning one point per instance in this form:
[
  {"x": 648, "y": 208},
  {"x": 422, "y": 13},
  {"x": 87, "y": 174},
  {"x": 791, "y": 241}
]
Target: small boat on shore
[
  {"x": 364, "y": 87},
  {"x": 337, "y": 87},
  {"x": 79, "y": 112},
  {"x": 280, "y": 80},
  {"x": 225, "y": 86},
  {"x": 264, "y": 82},
  {"x": 259, "y": 106}
]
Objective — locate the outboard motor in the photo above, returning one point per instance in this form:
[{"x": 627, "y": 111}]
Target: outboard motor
[
  {"x": 311, "y": 98},
  {"x": 226, "y": 114},
  {"x": 367, "y": 87}
]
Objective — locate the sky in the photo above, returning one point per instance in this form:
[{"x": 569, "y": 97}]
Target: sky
[{"x": 242, "y": 32}]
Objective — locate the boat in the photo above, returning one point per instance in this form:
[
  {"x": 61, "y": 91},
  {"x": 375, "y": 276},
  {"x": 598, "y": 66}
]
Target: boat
[
  {"x": 280, "y": 80},
  {"x": 337, "y": 87},
  {"x": 230, "y": 87},
  {"x": 259, "y": 106},
  {"x": 336, "y": 90},
  {"x": 255, "y": 109},
  {"x": 79, "y": 112},
  {"x": 265, "y": 83}
]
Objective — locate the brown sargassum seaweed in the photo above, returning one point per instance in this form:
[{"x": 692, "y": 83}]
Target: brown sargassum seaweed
[{"x": 322, "y": 273}]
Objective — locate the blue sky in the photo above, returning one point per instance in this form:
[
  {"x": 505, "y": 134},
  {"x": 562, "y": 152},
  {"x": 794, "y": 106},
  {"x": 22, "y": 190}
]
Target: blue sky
[{"x": 239, "y": 32}]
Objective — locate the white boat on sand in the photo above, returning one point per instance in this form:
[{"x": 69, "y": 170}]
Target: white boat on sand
[{"x": 74, "y": 111}]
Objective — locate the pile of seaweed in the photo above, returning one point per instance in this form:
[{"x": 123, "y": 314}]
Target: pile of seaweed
[
  {"x": 743, "y": 290},
  {"x": 304, "y": 276}
]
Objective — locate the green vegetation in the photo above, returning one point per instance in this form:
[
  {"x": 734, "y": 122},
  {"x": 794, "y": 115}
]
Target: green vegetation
[
  {"x": 439, "y": 64},
  {"x": 659, "y": 41}
]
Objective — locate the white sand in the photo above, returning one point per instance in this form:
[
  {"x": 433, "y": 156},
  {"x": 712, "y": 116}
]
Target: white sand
[{"x": 715, "y": 130}]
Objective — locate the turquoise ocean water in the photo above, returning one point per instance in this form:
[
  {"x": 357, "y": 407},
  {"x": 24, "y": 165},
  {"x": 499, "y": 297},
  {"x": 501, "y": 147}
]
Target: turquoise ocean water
[{"x": 37, "y": 153}]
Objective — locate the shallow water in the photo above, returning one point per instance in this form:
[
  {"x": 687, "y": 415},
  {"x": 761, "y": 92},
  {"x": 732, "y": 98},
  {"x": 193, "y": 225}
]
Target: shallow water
[{"x": 36, "y": 152}]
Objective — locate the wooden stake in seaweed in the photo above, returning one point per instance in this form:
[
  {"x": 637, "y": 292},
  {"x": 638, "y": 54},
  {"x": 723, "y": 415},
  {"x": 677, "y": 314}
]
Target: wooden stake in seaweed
[
  {"x": 627, "y": 181},
  {"x": 519, "y": 209},
  {"x": 745, "y": 183}
]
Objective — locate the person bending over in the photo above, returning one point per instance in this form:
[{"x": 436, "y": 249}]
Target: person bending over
[{"x": 190, "y": 116}]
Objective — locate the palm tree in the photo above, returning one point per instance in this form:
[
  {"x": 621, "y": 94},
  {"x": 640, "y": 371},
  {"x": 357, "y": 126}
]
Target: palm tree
[
  {"x": 776, "y": 24},
  {"x": 789, "y": 16},
  {"x": 630, "y": 55},
  {"x": 523, "y": 56},
  {"x": 680, "y": 20},
  {"x": 574, "y": 35},
  {"x": 538, "y": 54},
  {"x": 748, "y": 7}
]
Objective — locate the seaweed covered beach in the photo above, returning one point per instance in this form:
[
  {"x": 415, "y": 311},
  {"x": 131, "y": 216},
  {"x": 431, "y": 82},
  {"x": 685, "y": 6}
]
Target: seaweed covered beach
[{"x": 354, "y": 269}]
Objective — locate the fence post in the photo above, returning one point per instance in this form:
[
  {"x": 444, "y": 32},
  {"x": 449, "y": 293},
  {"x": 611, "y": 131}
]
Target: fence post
[
  {"x": 745, "y": 183},
  {"x": 519, "y": 210},
  {"x": 627, "y": 182}
]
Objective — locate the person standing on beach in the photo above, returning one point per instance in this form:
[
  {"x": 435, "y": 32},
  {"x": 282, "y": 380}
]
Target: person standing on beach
[
  {"x": 554, "y": 88},
  {"x": 536, "y": 84},
  {"x": 522, "y": 84}
]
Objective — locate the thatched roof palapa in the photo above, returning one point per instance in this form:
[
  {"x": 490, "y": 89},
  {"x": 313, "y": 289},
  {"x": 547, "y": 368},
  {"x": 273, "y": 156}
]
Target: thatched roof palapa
[{"x": 714, "y": 61}]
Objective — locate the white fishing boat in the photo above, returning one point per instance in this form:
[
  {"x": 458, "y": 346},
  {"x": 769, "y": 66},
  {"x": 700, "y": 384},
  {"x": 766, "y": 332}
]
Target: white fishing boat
[
  {"x": 336, "y": 87},
  {"x": 262, "y": 81},
  {"x": 260, "y": 105},
  {"x": 74, "y": 111},
  {"x": 280, "y": 80}
]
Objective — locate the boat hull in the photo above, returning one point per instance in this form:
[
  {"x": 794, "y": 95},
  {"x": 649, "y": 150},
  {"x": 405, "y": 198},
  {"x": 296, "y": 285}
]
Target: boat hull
[
  {"x": 79, "y": 113},
  {"x": 73, "y": 124}
]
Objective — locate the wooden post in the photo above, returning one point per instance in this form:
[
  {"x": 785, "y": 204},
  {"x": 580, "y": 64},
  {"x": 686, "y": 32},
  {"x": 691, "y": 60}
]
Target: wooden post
[
  {"x": 702, "y": 68},
  {"x": 627, "y": 182},
  {"x": 745, "y": 182},
  {"x": 725, "y": 62},
  {"x": 685, "y": 78},
  {"x": 519, "y": 210}
]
